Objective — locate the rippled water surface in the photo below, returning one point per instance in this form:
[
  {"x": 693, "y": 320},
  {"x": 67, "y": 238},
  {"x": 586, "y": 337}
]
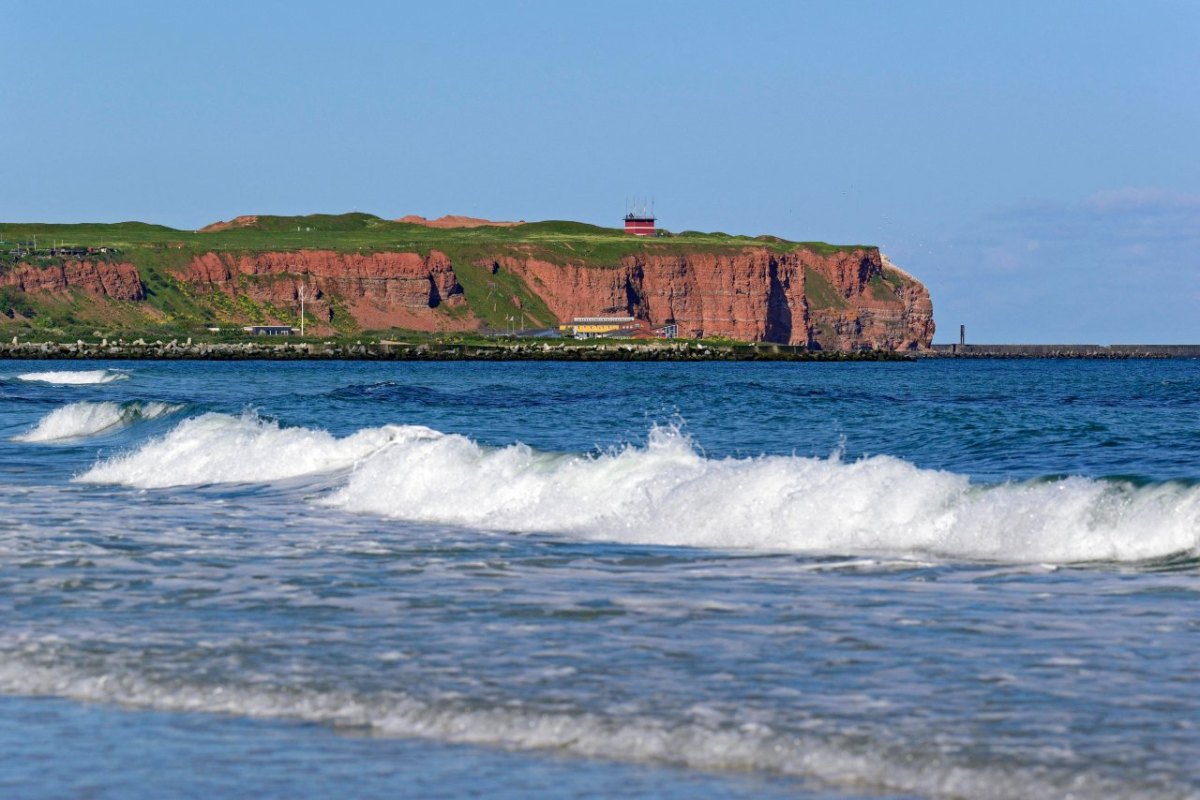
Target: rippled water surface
[{"x": 932, "y": 579}]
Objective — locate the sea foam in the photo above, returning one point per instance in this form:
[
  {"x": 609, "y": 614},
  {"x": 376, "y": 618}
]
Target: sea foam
[
  {"x": 80, "y": 420},
  {"x": 667, "y": 493},
  {"x": 79, "y": 378},
  {"x": 690, "y": 741},
  {"x": 219, "y": 448}
]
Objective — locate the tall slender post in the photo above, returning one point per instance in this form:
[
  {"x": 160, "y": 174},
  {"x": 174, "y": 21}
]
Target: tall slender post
[{"x": 301, "y": 292}]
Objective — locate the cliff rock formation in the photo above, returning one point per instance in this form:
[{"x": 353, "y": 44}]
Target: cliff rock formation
[
  {"x": 843, "y": 300},
  {"x": 537, "y": 275},
  {"x": 115, "y": 280},
  {"x": 378, "y": 290}
]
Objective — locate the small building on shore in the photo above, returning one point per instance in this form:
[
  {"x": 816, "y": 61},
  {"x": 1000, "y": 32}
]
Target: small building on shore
[
  {"x": 615, "y": 328},
  {"x": 269, "y": 330}
]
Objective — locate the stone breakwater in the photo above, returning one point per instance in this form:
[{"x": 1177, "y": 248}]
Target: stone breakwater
[
  {"x": 1063, "y": 351},
  {"x": 435, "y": 351}
]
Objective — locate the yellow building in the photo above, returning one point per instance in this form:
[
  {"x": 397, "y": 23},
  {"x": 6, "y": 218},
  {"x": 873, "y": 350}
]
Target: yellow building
[{"x": 592, "y": 327}]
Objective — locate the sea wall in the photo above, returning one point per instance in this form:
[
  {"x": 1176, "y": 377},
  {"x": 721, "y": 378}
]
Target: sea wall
[
  {"x": 511, "y": 350},
  {"x": 1065, "y": 350}
]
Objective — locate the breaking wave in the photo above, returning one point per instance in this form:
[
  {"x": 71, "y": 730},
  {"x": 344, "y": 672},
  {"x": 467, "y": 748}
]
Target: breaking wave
[
  {"x": 667, "y": 493},
  {"x": 219, "y": 448},
  {"x": 76, "y": 378},
  {"x": 79, "y": 420},
  {"x": 695, "y": 740}
]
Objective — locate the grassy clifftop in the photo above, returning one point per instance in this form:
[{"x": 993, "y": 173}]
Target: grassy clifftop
[
  {"x": 358, "y": 231},
  {"x": 171, "y": 306}
]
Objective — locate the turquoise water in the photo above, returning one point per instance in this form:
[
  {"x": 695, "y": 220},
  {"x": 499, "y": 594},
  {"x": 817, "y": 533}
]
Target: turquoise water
[{"x": 932, "y": 579}]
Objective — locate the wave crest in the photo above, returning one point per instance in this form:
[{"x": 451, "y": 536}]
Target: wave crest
[
  {"x": 79, "y": 420},
  {"x": 78, "y": 378},
  {"x": 219, "y": 448},
  {"x": 667, "y": 493}
]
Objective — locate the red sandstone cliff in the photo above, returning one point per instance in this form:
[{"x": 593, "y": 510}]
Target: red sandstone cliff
[
  {"x": 846, "y": 300},
  {"x": 379, "y": 290},
  {"x": 880, "y": 306},
  {"x": 116, "y": 280},
  {"x": 840, "y": 300}
]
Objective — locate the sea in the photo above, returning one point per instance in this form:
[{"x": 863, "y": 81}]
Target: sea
[{"x": 930, "y": 579}]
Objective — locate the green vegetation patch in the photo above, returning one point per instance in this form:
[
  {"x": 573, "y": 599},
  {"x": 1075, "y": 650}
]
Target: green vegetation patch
[
  {"x": 14, "y": 302},
  {"x": 491, "y": 296},
  {"x": 820, "y": 291},
  {"x": 881, "y": 288}
]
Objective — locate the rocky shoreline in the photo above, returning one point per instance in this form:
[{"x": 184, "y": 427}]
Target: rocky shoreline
[
  {"x": 526, "y": 350},
  {"x": 435, "y": 351}
]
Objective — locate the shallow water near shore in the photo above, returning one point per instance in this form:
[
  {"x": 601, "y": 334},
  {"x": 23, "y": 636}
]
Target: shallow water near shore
[{"x": 930, "y": 579}]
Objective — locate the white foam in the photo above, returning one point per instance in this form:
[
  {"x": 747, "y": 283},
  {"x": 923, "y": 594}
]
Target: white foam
[
  {"x": 709, "y": 742},
  {"x": 76, "y": 378},
  {"x": 218, "y": 448},
  {"x": 667, "y": 493},
  {"x": 79, "y": 420}
]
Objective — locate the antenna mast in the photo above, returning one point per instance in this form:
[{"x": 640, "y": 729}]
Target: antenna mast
[{"x": 301, "y": 291}]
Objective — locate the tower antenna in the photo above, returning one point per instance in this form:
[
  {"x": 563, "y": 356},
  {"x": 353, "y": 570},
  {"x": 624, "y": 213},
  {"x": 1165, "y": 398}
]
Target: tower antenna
[{"x": 301, "y": 291}]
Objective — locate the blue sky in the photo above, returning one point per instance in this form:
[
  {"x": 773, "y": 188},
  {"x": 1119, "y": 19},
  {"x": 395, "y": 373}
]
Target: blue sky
[{"x": 1034, "y": 163}]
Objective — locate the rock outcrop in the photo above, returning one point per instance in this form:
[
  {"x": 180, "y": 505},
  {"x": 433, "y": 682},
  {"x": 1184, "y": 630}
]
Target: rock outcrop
[
  {"x": 456, "y": 221},
  {"x": 839, "y": 301},
  {"x": 244, "y": 221},
  {"x": 877, "y": 305},
  {"x": 378, "y": 290},
  {"x": 115, "y": 280}
]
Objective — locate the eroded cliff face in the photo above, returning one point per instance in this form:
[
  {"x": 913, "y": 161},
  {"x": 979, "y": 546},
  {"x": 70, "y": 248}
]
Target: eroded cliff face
[
  {"x": 841, "y": 301},
  {"x": 875, "y": 304},
  {"x": 832, "y": 300},
  {"x": 377, "y": 290},
  {"x": 115, "y": 280}
]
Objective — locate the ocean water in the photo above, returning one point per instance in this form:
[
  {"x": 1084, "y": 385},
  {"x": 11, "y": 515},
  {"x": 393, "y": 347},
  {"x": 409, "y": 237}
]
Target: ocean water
[{"x": 934, "y": 579}]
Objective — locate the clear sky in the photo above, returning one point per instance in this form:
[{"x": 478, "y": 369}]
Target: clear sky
[{"x": 1035, "y": 163}]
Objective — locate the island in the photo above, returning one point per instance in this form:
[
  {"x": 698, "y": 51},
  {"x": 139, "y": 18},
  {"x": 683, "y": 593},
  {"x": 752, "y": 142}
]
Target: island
[{"x": 355, "y": 278}]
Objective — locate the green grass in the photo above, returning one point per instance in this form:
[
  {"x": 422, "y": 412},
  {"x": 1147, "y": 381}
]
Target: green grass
[
  {"x": 820, "y": 291},
  {"x": 881, "y": 288},
  {"x": 13, "y": 302},
  {"x": 491, "y": 297},
  {"x": 357, "y": 231}
]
